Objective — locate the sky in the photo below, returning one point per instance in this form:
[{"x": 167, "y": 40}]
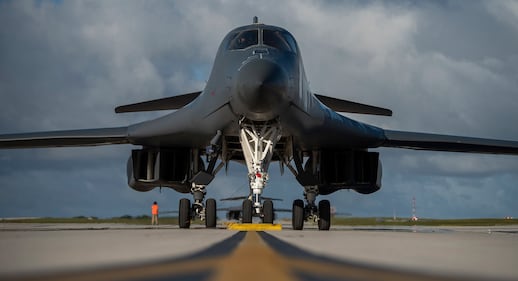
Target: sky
[{"x": 447, "y": 67}]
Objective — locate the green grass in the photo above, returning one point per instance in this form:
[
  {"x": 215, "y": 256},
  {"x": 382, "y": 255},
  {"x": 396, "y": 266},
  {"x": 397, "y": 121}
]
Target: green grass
[
  {"x": 422, "y": 222},
  {"x": 141, "y": 220}
]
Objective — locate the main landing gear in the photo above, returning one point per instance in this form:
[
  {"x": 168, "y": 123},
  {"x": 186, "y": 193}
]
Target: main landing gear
[
  {"x": 187, "y": 212},
  {"x": 206, "y": 212},
  {"x": 301, "y": 214},
  {"x": 198, "y": 210},
  {"x": 306, "y": 176},
  {"x": 310, "y": 212}
]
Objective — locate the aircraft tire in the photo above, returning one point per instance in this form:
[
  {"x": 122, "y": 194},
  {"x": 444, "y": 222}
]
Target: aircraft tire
[
  {"x": 184, "y": 213},
  {"x": 324, "y": 215},
  {"x": 297, "y": 215},
  {"x": 268, "y": 211},
  {"x": 247, "y": 212},
  {"x": 210, "y": 213}
]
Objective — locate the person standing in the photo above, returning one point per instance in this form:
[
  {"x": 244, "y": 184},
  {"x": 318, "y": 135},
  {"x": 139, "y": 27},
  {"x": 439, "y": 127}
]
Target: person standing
[{"x": 154, "y": 213}]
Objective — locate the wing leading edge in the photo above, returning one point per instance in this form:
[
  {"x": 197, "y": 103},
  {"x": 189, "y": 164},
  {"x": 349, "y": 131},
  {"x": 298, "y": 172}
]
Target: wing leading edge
[
  {"x": 340, "y": 105},
  {"x": 86, "y": 137},
  {"x": 168, "y": 103},
  {"x": 435, "y": 142}
]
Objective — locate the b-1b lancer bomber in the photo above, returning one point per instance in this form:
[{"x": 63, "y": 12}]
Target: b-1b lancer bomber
[{"x": 256, "y": 108}]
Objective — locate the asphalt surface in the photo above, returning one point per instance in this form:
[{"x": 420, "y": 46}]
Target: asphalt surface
[{"x": 125, "y": 252}]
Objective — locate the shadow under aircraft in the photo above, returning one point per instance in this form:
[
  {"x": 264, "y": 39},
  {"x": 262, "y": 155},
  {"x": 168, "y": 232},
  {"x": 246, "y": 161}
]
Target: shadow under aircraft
[{"x": 256, "y": 108}]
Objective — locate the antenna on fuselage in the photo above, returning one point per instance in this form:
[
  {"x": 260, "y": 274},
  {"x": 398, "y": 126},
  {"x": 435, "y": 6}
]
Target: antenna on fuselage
[{"x": 255, "y": 20}]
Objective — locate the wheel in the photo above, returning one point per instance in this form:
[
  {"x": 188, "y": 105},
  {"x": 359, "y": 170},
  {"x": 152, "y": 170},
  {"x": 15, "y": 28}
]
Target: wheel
[
  {"x": 324, "y": 215},
  {"x": 247, "y": 211},
  {"x": 184, "y": 213},
  {"x": 297, "y": 215},
  {"x": 268, "y": 211},
  {"x": 210, "y": 213}
]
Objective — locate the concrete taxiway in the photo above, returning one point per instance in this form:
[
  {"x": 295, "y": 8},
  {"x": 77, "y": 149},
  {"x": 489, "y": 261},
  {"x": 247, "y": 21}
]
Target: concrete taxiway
[{"x": 124, "y": 252}]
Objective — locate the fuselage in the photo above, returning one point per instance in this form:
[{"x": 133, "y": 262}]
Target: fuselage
[
  {"x": 264, "y": 67},
  {"x": 258, "y": 75}
]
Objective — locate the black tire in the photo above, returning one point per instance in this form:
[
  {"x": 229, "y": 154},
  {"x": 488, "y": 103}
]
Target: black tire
[
  {"x": 210, "y": 213},
  {"x": 268, "y": 211},
  {"x": 324, "y": 215},
  {"x": 247, "y": 212},
  {"x": 297, "y": 215},
  {"x": 184, "y": 213}
]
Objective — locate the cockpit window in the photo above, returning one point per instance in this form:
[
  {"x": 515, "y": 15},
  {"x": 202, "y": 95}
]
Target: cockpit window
[
  {"x": 243, "y": 39},
  {"x": 279, "y": 40}
]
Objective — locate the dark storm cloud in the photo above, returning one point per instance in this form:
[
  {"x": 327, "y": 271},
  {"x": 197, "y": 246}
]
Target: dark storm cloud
[{"x": 442, "y": 66}]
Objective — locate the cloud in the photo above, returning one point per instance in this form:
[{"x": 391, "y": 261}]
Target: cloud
[
  {"x": 446, "y": 67},
  {"x": 504, "y": 11}
]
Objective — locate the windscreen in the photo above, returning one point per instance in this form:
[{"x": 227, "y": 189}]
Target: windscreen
[
  {"x": 243, "y": 39},
  {"x": 279, "y": 40}
]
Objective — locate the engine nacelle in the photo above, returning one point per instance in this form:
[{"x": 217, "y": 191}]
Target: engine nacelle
[
  {"x": 349, "y": 169},
  {"x": 149, "y": 168}
]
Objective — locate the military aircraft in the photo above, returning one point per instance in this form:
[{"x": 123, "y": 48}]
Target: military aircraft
[{"x": 256, "y": 108}]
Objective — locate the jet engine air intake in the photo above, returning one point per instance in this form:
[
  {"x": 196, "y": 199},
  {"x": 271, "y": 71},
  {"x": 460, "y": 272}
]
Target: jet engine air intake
[
  {"x": 149, "y": 168},
  {"x": 349, "y": 169}
]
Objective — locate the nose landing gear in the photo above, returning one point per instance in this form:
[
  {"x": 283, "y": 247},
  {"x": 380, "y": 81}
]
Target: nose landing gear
[{"x": 258, "y": 139}]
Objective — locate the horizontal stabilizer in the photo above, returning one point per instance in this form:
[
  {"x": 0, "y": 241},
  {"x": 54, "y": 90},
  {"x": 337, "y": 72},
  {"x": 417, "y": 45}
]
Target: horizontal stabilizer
[
  {"x": 352, "y": 107},
  {"x": 86, "y": 137},
  {"x": 422, "y": 141},
  {"x": 169, "y": 103}
]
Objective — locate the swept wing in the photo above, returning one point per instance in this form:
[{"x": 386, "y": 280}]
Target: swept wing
[
  {"x": 168, "y": 103},
  {"x": 424, "y": 141},
  {"x": 86, "y": 137},
  {"x": 340, "y": 105}
]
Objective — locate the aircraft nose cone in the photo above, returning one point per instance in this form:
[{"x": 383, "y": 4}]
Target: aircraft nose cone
[{"x": 261, "y": 86}]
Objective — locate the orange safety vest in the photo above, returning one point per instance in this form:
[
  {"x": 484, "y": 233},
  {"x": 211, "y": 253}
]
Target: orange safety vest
[{"x": 154, "y": 209}]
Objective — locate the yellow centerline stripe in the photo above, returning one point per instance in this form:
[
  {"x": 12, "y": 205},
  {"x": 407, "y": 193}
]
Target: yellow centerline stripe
[
  {"x": 253, "y": 226},
  {"x": 253, "y": 260}
]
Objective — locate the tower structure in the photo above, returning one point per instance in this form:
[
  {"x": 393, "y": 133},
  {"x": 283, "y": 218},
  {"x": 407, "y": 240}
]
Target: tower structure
[{"x": 414, "y": 216}]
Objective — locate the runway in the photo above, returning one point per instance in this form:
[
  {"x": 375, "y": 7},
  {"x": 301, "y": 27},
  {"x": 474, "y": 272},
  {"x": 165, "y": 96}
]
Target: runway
[{"x": 125, "y": 252}]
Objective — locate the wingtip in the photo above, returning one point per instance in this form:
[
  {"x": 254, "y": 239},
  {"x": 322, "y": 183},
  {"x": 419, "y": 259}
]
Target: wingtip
[{"x": 120, "y": 109}]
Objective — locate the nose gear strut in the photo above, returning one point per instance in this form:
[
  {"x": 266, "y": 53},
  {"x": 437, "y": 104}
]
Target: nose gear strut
[{"x": 258, "y": 139}]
